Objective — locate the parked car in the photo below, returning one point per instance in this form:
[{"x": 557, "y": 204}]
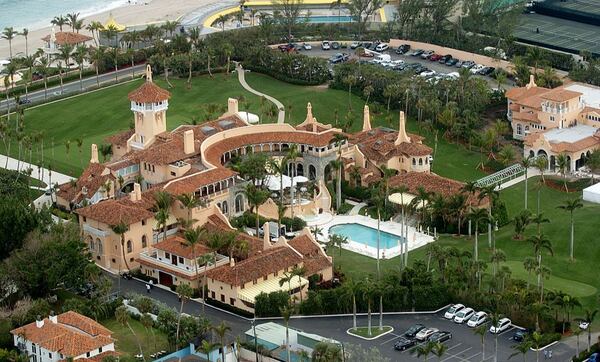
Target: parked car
[
  {"x": 459, "y": 64},
  {"x": 435, "y": 57},
  {"x": 464, "y": 315},
  {"x": 476, "y": 68},
  {"x": 451, "y": 312},
  {"x": 413, "y": 330},
  {"x": 520, "y": 335},
  {"x": 24, "y": 101},
  {"x": 404, "y": 343},
  {"x": 477, "y": 319},
  {"x": 307, "y": 46},
  {"x": 595, "y": 357},
  {"x": 367, "y": 45},
  {"x": 426, "y": 54},
  {"x": 468, "y": 64},
  {"x": 287, "y": 48},
  {"x": 338, "y": 58},
  {"x": 440, "y": 337},
  {"x": 335, "y": 45},
  {"x": 402, "y": 49},
  {"x": 355, "y": 44},
  {"x": 425, "y": 333},
  {"x": 451, "y": 62},
  {"x": 503, "y": 324},
  {"x": 325, "y": 45},
  {"x": 453, "y": 75},
  {"x": 444, "y": 58},
  {"x": 487, "y": 71},
  {"x": 427, "y": 73},
  {"x": 584, "y": 325},
  {"x": 416, "y": 53},
  {"x": 382, "y": 47}
]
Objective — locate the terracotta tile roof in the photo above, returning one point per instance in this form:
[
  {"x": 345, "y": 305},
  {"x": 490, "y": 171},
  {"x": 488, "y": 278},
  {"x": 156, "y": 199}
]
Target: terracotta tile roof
[
  {"x": 120, "y": 138},
  {"x": 175, "y": 244},
  {"x": 268, "y": 262},
  {"x": 525, "y": 116},
  {"x": 98, "y": 357},
  {"x": 68, "y": 37},
  {"x": 149, "y": 92},
  {"x": 379, "y": 144},
  {"x": 531, "y": 138},
  {"x": 112, "y": 212},
  {"x": 431, "y": 183},
  {"x": 534, "y": 102},
  {"x": 93, "y": 178},
  {"x": 580, "y": 145},
  {"x": 196, "y": 180},
  {"x": 72, "y": 335},
  {"x": 560, "y": 95},
  {"x": 516, "y": 94},
  {"x": 589, "y": 109},
  {"x": 314, "y": 260}
]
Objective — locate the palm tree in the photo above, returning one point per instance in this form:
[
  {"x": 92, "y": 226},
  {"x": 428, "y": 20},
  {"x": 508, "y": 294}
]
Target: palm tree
[
  {"x": 286, "y": 312},
  {"x": 81, "y": 52},
  {"x": 424, "y": 350},
  {"x": 72, "y": 20},
  {"x": 535, "y": 56},
  {"x": 190, "y": 201},
  {"x": 299, "y": 272},
  {"x": 562, "y": 161},
  {"x": 63, "y": 56},
  {"x": 492, "y": 194},
  {"x": 292, "y": 155},
  {"x": 9, "y": 34},
  {"x": 539, "y": 243},
  {"x": 529, "y": 264},
  {"x": 59, "y": 21},
  {"x": 114, "y": 53},
  {"x": 222, "y": 19},
  {"x": 221, "y": 330},
  {"x": 482, "y": 332},
  {"x": 96, "y": 56},
  {"x": 336, "y": 241},
  {"x": 42, "y": 68},
  {"x": 163, "y": 202},
  {"x": 205, "y": 259},
  {"x": 590, "y": 315},
  {"x": 542, "y": 164},
  {"x": 147, "y": 322},
  {"x": 278, "y": 167},
  {"x": 192, "y": 238},
  {"x": 439, "y": 350},
  {"x": 287, "y": 278},
  {"x": 477, "y": 215},
  {"x": 120, "y": 229},
  {"x": 206, "y": 347},
  {"x": 352, "y": 288},
  {"x": 526, "y": 163},
  {"x": 539, "y": 219},
  {"x": 577, "y": 332},
  {"x": 95, "y": 27},
  {"x": 25, "y": 34},
  {"x": 122, "y": 316},
  {"x": 570, "y": 206},
  {"x": 184, "y": 292},
  {"x": 368, "y": 290},
  {"x": 522, "y": 349},
  {"x": 256, "y": 197},
  {"x": 423, "y": 197}
]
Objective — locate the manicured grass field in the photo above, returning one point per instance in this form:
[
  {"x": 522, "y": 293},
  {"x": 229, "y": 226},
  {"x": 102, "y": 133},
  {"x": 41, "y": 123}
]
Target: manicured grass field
[
  {"x": 580, "y": 278},
  {"x": 95, "y": 116},
  {"x": 128, "y": 344}
]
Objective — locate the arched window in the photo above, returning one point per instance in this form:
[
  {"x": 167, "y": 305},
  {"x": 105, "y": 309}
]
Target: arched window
[
  {"x": 225, "y": 208},
  {"x": 129, "y": 246},
  {"x": 420, "y": 162},
  {"x": 239, "y": 203},
  {"x": 414, "y": 161},
  {"x": 144, "y": 241},
  {"x": 99, "y": 246},
  {"x": 312, "y": 172},
  {"x": 299, "y": 170},
  {"x": 91, "y": 243}
]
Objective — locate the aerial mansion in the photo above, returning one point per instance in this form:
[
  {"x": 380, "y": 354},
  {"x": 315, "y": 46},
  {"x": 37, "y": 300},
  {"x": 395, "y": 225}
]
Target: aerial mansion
[{"x": 194, "y": 161}]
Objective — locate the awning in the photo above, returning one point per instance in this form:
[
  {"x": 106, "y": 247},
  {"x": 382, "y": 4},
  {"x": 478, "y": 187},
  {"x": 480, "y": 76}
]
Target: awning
[{"x": 270, "y": 286}]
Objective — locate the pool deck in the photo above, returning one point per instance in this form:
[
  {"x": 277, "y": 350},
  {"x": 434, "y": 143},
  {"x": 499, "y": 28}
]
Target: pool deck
[{"x": 415, "y": 239}]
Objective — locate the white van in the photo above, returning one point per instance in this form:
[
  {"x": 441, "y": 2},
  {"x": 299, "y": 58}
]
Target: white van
[
  {"x": 382, "y": 58},
  {"x": 495, "y": 52}
]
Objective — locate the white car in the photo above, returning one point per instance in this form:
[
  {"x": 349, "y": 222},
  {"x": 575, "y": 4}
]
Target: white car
[
  {"x": 584, "y": 325},
  {"x": 307, "y": 46},
  {"x": 476, "y": 69},
  {"x": 426, "y": 54},
  {"x": 503, "y": 324},
  {"x": 427, "y": 73},
  {"x": 477, "y": 319},
  {"x": 325, "y": 45},
  {"x": 382, "y": 47},
  {"x": 425, "y": 333},
  {"x": 463, "y": 315},
  {"x": 451, "y": 312},
  {"x": 453, "y": 75}
]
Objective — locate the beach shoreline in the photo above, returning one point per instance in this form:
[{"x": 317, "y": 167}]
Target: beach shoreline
[{"x": 137, "y": 13}]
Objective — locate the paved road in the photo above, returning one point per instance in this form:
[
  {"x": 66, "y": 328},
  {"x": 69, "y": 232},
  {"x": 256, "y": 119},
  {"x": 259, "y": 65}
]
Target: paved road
[
  {"x": 74, "y": 86},
  {"x": 464, "y": 346},
  {"x": 437, "y": 67}
]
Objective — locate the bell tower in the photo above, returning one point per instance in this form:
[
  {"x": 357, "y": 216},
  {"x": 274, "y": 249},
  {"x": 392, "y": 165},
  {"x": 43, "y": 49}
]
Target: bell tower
[{"x": 149, "y": 104}]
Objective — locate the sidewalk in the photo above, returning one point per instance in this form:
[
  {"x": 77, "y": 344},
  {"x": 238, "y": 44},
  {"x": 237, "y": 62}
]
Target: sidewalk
[
  {"x": 241, "y": 77},
  {"x": 44, "y": 173}
]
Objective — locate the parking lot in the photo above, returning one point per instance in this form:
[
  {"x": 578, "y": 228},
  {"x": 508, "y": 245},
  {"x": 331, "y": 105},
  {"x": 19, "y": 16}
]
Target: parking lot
[
  {"x": 464, "y": 346},
  {"x": 435, "y": 66}
]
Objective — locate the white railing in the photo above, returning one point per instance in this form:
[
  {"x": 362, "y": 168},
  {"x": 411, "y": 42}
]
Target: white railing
[
  {"x": 186, "y": 269},
  {"x": 94, "y": 231},
  {"x": 158, "y": 236},
  {"x": 143, "y": 107}
]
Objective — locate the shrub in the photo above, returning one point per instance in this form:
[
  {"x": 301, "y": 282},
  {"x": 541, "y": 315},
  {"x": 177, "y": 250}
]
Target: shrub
[{"x": 268, "y": 305}]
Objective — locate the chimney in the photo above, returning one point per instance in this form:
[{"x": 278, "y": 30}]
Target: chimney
[
  {"x": 309, "y": 115},
  {"x": 94, "y": 158},
  {"x": 188, "y": 141},
  {"x": 53, "y": 318},
  {"x": 531, "y": 83},
  {"x": 266, "y": 236},
  {"x": 136, "y": 194},
  {"x": 366, "y": 119},
  {"x": 232, "y": 106},
  {"x": 39, "y": 322},
  {"x": 402, "y": 136},
  {"x": 148, "y": 73}
]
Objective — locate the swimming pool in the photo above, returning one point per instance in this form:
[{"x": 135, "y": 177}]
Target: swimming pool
[
  {"x": 330, "y": 19},
  {"x": 366, "y": 235}
]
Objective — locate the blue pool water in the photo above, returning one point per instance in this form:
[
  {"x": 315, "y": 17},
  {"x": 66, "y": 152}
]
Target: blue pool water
[
  {"x": 365, "y": 235},
  {"x": 330, "y": 19}
]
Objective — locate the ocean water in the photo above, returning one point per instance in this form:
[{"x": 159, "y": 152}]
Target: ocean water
[{"x": 36, "y": 14}]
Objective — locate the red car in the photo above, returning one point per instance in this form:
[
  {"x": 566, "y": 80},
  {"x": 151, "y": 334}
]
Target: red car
[{"x": 435, "y": 57}]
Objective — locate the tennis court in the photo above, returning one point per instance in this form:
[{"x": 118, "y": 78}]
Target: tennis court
[
  {"x": 577, "y": 6},
  {"x": 558, "y": 33}
]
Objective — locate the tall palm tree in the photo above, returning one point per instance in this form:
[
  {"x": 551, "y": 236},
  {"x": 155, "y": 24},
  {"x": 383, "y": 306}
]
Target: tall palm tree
[
  {"x": 292, "y": 155},
  {"x": 562, "y": 162},
  {"x": 184, "y": 292},
  {"x": 539, "y": 219},
  {"x": 206, "y": 347},
  {"x": 590, "y": 315},
  {"x": 336, "y": 241},
  {"x": 80, "y": 55},
  {"x": 477, "y": 215},
  {"x": 72, "y": 20},
  {"x": 439, "y": 350},
  {"x": 190, "y": 201},
  {"x": 541, "y": 163},
  {"x": 25, "y": 34},
  {"x": 286, "y": 312},
  {"x": 120, "y": 229},
  {"x": 521, "y": 349},
  {"x": 299, "y": 272},
  {"x": 492, "y": 194},
  {"x": 9, "y": 34},
  {"x": 368, "y": 290},
  {"x": 526, "y": 163},
  {"x": 221, "y": 330},
  {"x": 95, "y": 27},
  {"x": 42, "y": 68},
  {"x": 351, "y": 289},
  {"x": 96, "y": 56},
  {"x": 59, "y": 21},
  {"x": 339, "y": 139},
  {"x": 122, "y": 316},
  {"x": 256, "y": 197},
  {"x": 64, "y": 55},
  {"x": 192, "y": 238},
  {"x": 29, "y": 62},
  {"x": 162, "y": 205},
  {"x": 424, "y": 350},
  {"x": 540, "y": 243},
  {"x": 278, "y": 167},
  {"x": 422, "y": 197},
  {"x": 570, "y": 206},
  {"x": 482, "y": 332}
]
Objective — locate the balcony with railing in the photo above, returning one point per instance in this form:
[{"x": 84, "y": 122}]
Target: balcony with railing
[
  {"x": 94, "y": 231},
  {"x": 153, "y": 257},
  {"x": 149, "y": 107}
]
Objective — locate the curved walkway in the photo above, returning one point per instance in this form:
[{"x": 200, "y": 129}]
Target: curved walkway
[{"x": 242, "y": 78}]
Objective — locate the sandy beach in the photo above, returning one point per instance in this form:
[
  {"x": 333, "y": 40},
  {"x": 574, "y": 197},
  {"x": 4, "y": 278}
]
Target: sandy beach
[{"x": 133, "y": 14}]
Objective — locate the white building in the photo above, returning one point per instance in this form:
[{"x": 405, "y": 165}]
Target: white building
[{"x": 57, "y": 338}]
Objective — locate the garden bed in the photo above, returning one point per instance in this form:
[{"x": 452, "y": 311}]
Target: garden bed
[{"x": 363, "y": 332}]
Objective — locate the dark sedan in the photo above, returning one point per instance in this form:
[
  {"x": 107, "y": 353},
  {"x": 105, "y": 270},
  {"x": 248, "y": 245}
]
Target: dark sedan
[
  {"x": 413, "y": 330},
  {"x": 520, "y": 335},
  {"x": 441, "y": 336},
  {"x": 451, "y": 62},
  {"x": 404, "y": 343}
]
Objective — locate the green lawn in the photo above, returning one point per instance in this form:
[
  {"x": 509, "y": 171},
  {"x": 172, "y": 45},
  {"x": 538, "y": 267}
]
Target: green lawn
[
  {"x": 94, "y": 116},
  {"x": 127, "y": 343},
  {"x": 580, "y": 278}
]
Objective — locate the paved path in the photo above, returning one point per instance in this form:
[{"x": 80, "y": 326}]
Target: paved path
[
  {"x": 356, "y": 208},
  {"x": 43, "y": 175},
  {"x": 241, "y": 77}
]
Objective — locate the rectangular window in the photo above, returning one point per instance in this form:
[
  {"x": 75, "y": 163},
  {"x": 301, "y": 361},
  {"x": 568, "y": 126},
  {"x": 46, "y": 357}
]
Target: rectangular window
[
  {"x": 222, "y": 298},
  {"x": 143, "y": 222},
  {"x": 180, "y": 260},
  {"x": 231, "y": 301},
  {"x": 173, "y": 173},
  {"x": 167, "y": 255},
  {"x": 50, "y": 355},
  {"x": 212, "y": 294}
]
